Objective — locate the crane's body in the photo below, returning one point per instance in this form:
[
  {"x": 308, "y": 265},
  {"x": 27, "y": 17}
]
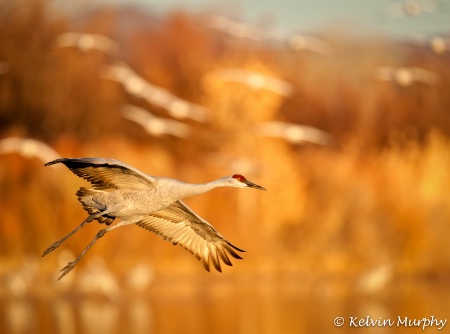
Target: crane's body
[
  {"x": 131, "y": 204},
  {"x": 154, "y": 203}
]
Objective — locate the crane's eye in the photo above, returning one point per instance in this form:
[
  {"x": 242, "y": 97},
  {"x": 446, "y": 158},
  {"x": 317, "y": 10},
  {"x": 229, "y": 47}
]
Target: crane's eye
[{"x": 239, "y": 177}]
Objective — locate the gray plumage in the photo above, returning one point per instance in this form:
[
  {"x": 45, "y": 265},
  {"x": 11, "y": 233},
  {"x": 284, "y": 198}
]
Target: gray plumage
[{"x": 153, "y": 203}]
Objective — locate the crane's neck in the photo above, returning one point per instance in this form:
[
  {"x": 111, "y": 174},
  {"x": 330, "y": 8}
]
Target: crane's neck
[
  {"x": 197, "y": 189},
  {"x": 182, "y": 190}
]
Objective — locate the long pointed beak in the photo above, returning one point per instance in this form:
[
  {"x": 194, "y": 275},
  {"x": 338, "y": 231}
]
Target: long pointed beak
[{"x": 253, "y": 185}]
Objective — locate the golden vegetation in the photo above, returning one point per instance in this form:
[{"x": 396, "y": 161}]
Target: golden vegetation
[{"x": 376, "y": 196}]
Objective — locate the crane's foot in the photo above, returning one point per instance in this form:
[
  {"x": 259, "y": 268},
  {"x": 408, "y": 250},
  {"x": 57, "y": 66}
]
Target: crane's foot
[
  {"x": 67, "y": 269},
  {"x": 51, "y": 248},
  {"x": 72, "y": 264},
  {"x": 59, "y": 242}
]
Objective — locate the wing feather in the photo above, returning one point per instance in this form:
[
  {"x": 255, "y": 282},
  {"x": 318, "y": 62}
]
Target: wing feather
[
  {"x": 107, "y": 174},
  {"x": 178, "y": 236},
  {"x": 205, "y": 261},
  {"x": 230, "y": 250},
  {"x": 193, "y": 246},
  {"x": 223, "y": 256},
  {"x": 214, "y": 257},
  {"x": 181, "y": 226}
]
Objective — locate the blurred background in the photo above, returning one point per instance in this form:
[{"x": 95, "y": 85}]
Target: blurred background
[{"x": 341, "y": 112}]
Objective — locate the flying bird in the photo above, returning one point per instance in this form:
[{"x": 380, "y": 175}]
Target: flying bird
[
  {"x": 294, "y": 133},
  {"x": 412, "y": 8},
  {"x": 136, "y": 85},
  {"x": 405, "y": 76},
  {"x": 437, "y": 44},
  {"x": 236, "y": 29},
  {"x": 27, "y": 147},
  {"x": 155, "y": 126},
  {"x": 151, "y": 202},
  {"x": 255, "y": 80},
  {"x": 297, "y": 42},
  {"x": 87, "y": 42}
]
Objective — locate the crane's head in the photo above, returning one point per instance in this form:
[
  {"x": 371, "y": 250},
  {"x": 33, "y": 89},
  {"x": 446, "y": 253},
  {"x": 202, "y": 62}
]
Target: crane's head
[{"x": 240, "y": 181}]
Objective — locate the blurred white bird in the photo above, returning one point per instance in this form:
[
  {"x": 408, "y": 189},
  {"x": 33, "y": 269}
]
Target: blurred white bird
[
  {"x": 28, "y": 148},
  {"x": 437, "y": 44},
  {"x": 153, "y": 125},
  {"x": 297, "y": 42},
  {"x": 138, "y": 86},
  {"x": 236, "y": 29},
  {"x": 405, "y": 76},
  {"x": 411, "y": 8},
  {"x": 294, "y": 133},
  {"x": 255, "y": 80},
  {"x": 233, "y": 162},
  {"x": 309, "y": 43},
  {"x": 87, "y": 42}
]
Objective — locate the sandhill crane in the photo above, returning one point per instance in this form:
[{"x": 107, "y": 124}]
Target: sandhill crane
[
  {"x": 297, "y": 42},
  {"x": 151, "y": 202},
  {"x": 136, "y": 85},
  {"x": 87, "y": 42},
  {"x": 411, "y": 8},
  {"x": 155, "y": 126},
  {"x": 294, "y": 133},
  {"x": 405, "y": 76},
  {"x": 300, "y": 42},
  {"x": 236, "y": 29},
  {"x": 28, "y": 148},
  {"x": 254, "y": 80},
  {"x": 437, "y": 44}
]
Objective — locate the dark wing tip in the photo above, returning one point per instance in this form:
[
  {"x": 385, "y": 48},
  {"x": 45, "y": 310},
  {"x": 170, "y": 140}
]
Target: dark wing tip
[
  {"x": 83, "y": 161},
  {"x": 55, "y": 162},
  {"x": 205, "y": 263},
  {"x": 79, "y": 162},
  {"x": 65, "y": 161},
  {"x": 220, "y": 253},
  {"x": 214, "y": 256},
  {"x": 236, "y": 248},
  {"x": 229, "y": 247},
  {"x": 217, "y": 266}
]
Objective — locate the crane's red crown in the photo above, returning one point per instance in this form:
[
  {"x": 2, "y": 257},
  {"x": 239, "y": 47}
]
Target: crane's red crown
[{"x": 239, "y": 177}]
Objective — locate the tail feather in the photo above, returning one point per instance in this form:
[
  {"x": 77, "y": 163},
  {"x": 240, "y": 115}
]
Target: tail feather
[{"x": 85, "y": 198}]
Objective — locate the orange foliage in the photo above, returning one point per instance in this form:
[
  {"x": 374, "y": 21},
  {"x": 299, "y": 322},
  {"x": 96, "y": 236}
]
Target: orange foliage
[{"x": 377, "y": 195}]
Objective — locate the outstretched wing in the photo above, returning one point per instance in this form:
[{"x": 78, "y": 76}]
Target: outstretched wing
[
  {"x": 107, "y": 174},
  {"x": 181, "y": 226}
]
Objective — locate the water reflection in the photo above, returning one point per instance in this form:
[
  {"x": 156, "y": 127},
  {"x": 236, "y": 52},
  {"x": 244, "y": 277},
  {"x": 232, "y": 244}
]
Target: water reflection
[
  {"x": 99, "y": 316},
  {"x": 139, "y": 317},
  {"x": 64, "y": 317},
  {"x": 20, "y": 316},
  {"x": 188, "y": 305}
]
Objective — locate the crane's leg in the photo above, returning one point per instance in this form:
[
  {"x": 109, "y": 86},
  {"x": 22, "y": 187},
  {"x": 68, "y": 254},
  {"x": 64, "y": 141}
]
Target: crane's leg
[
  {"x": 59, "y": 242},
  {"x": 100, "y": 234}
]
